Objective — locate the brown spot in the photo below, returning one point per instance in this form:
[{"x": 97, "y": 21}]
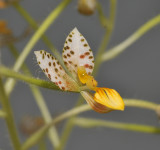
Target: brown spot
[
  {"x": 41, "y": 52},
  {"x": 43, "y": 56},
  {"x": 90, "y": 67},
  {"x": 70, "y": 35},
  {"x": 90, "y": 57},
  {"x": 45, "y": 53},
  {"x": 66, "y": 42},
  {"x": 90, "y": 50},
  {"x": 65, "y": 56},
  {"x": 87, "y": 53},
  {"x": 52, "y": 57},
  {"x": 85, "y": 45},
  {"x": 43, "y": 70},
  {"x": 72, "y": 52},
  {"x": 58, "y": 62},
  {"x": 80, "y": 34},
  {"x": 82, "y": 56},
  {"x": 86, "y": 66},
  {"x": 49, "y": 63},
  {"x": 70, "y": 62},
  {"x": 56, "y": 83},
  {"x": 70, "y": 40},
  {"x": 49, "y": 76},
  {"x": 56, "y": 70},
  {"x": 68, "y": 55},
  {"x": 60, "y": 82},
  {"x": 39, "y": 62},
  {"x": 48, "y": 55},
  {"x": 72, "y": 32},
  {"x": 89, "y": 73},
  {"x": 47, "y": 70},
  {"x": 63, "y": 88},
  {"x": 54, "y": 64},
  {"x": 55, "y": 77},
  {"x": 93, "y": 61},
  {"x": 75, "y": 65},
  {"x": 65, "y": 62},
  {"x": 67, "y": 47},
  {"x": 82, "y": 40},
  {"x": 60, "y": 68},
  {"x": 59, "y": 75}
]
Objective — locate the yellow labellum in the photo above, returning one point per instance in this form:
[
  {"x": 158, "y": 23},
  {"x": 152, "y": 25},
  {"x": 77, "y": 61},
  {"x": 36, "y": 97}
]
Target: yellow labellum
[{"x": 110, "y": 98}]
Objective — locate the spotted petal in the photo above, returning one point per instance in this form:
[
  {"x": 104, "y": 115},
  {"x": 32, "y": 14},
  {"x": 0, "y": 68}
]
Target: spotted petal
[
  {"x": 76, "y": 52},
  {"x": 54, "y": 71}
]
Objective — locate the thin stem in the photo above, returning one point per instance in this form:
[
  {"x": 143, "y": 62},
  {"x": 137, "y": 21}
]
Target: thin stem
[
  {"x": 68, "y": 127},
  {"x": 9, "y": 118},
  {"x": 140, "y": 104},
  {"x": 41, "y": 132},
  {"x": 115, "y": 51},
  {"x": 4, "y": 71},
  {"x": 102, "y": 18},
  {"x": 2, "y": 114},
  {"x": 34, "y": 25},
  {"x": 45, "y": 25},
  {"x": 73, "y": 112},
  {"x": 106, "y": 37},
  {"x": 53, "y": 135},
  {"x": 88, "y": 123}
]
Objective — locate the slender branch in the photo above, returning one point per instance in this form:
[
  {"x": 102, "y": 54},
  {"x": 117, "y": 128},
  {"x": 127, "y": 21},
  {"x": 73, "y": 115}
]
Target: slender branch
[
  {"x": 107, "y": 36},
  {"x": 9, "y": 118},
  {"x": 89, "y": 123},
  {"x": 45, "y": 25},
  {"x": 115, "y": 51},
  {"x": 4, "y": 71},
  {"x": 2, "y": 114},
  {"x": 102, "y": 18},
  {"x": 141, "y": 104},
  {"x": 53, "y": 135},
  {"x": 68, "y": 127},
  {"x": 34, "y": 25},
  {"x": 41, "y": 132}
]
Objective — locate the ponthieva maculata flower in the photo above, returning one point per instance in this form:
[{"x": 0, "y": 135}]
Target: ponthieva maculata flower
[{"x": 79, "y": 61}]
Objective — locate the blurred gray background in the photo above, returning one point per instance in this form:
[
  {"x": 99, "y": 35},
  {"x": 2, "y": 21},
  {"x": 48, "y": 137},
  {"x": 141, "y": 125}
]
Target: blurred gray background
[{"x": 135, "y": 73}]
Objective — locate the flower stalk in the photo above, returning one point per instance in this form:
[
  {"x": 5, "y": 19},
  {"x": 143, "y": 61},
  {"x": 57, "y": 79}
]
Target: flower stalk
[{"x": 9, "y": 118}]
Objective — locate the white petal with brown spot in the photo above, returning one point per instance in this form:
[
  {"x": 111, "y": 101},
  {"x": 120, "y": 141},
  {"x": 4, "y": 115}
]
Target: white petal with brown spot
[
  {"x": 76, "y": 52},
  {"x": 53, "y": 70}
]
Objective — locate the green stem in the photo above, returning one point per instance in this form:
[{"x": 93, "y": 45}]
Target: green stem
[
  {"x": 102, "y": 18},
  {"x": 53, "y": 135},
  {"x": 41, "y": 132},
  {"x": 9, "y": 118},
  {"x": 45, "y": 25},
  {"x": 115, "y": 51},
  {"x": 34, "y": 25},
  {"x": 140, "y": 104},
  {"x": 75, "y": 111},
  {"x": 68, "y": 127},
  {"x": 2, "y": 114},
  {"x": 4, "y": 71},
  {"x": 106, "y": 37},
  {"x": 88, "y": 123}
]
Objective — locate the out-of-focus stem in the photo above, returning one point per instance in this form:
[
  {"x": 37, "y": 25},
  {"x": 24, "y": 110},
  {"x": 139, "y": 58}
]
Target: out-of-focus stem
[
  {"x": 9, "y": 118},
  {"x": 89, "y": 123},
  {"x": 115, "y": 51},
  {"x": 53, "y": 135},
  {"x": 45, "y": 25}
]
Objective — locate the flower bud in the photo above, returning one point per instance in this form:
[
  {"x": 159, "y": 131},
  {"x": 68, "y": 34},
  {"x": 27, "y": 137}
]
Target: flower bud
[{"x": 86, "y": 7}]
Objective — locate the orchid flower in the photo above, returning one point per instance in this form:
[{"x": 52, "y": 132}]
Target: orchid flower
[{"x": 79, "y": 61}]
